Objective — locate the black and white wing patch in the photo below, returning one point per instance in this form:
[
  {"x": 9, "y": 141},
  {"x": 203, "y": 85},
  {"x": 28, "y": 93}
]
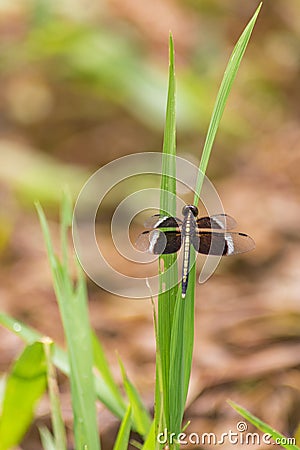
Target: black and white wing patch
[
  {"x": 218, "y": 244},
  {"x": 158, "y": 221},
  {"x": 159, "y": 242},
  {"x": 217, "y": 222}
]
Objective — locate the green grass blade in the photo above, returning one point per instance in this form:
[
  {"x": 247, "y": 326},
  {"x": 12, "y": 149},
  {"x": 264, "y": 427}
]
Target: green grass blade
[
  {"x": 182, "y": 343},
  {"x": 26, "y": 333},
  {"x": 25, "y": 384},
  {"x": 262, "y": 426},
  {"x": 226, "y": 84},
  {"x": 80, "y": 351},
  {"x": 159, "y": 422},
  {"x": 47, "y": 439},
  {"x": 183, "y": 331},
  {"x": 175, "y": 347},
  {"x": 183, "y": 324},
  {"x": 140, "y": 415},
  {"x": 60, "y": 360},
  {"x": 168, "y": 274},
  {"x": 73, "y": 309},
  {"x": 168, "y": 181},
  {"x": 101, "y": 364},
  {"x": 150, "y": 442},
  {"x": 60, "y": 439},
  {"x": 124, "y": 432},
  {"x": 176, "y": 384}
]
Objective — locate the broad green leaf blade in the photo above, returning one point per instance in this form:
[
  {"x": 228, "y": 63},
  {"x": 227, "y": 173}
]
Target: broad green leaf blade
[
  {"x": 25, "y": 384},
  {"x": 168, "y": 273},
  {"x": 225, "y": 88},
  {"x": 74, "y": 313},
  {"x": 60, "y": 360},
  {"x": 47, "y": 439},
  {"x": 140, "y": 415},
  {"x": 60, "y": 439},
  {"x": 262, "y": 426},
  {"x": 122, "y": 440}
]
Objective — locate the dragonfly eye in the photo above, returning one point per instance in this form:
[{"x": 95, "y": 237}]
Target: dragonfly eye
[{"x": 187, "y": 208}]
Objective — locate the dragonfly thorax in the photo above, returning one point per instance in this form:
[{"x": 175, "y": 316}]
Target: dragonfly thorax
[{"x": 190, "y": 208}]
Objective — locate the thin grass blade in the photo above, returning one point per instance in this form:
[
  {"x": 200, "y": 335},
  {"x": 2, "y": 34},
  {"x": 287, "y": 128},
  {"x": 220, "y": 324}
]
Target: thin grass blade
[
  {"x": 262, "y": 426},
  {"x": 140, "y": 415},
  {"x": 47, "y": 439},
  {"x": 73, "y": 309},
  {"x": 225, "y": 88},
  {"x": 168, "y": 273},
  {"x": 60, "y": 439},
  {"x": 150, "y": 442},
  {"x": 159, "y": 422},
  {"x": 176, "y": 383},
  {"x": 102, "y": 366},
  {"x": 168, "y": 180},
  {"x": 122, "y": 440},
  {"x": 183, "y": 324}
]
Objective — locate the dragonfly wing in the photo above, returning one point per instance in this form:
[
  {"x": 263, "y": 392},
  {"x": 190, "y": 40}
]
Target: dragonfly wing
[
  {"x": 159, "y": 242},
  {"x": 218, "y": 221},
  {"x": 214, "y": 243},
  {"x": 158, "y": 221}
]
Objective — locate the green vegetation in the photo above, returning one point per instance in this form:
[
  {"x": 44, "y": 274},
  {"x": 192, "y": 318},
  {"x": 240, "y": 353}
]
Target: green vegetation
[{"x": 85, "y": 362}]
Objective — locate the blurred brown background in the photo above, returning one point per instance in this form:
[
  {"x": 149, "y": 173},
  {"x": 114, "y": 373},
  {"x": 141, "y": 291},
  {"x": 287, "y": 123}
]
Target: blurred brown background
[{"x": 84, "y": 82}]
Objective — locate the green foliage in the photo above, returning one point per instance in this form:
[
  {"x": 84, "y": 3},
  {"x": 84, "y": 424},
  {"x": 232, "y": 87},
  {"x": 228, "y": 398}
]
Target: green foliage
[
  {"x": 103, "y": 369},
  {"x": 174, "y": 326},
  {"x": 124, "y": 432},
  {"x": 84, "y": 353},
  {"x": 72, "y": 301},
  {"x": 175, "y": 315},
  {"x": 262, "y": 426},
  {"x": 25, "y": 384},
  {"x": 60, "y": 439},
  {"x": 60, "y": 359},
  {"x": 225, "y": 88},
  {"x": 140, "y": 414},
  {"x": 167, "y": 263},
  {"x": 47, "y": 439},
  {"x": 150, "y": 442}
]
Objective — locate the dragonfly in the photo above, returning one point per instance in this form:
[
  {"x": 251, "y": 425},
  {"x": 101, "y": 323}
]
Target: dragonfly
[{"x": 209, "y": 235}]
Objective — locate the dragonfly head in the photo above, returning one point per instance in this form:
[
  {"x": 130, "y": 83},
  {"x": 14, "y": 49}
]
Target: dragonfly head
[{"x": 187, "y": 208}]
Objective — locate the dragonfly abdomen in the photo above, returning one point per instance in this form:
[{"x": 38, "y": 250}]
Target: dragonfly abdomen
[{"x": 188, "y": 230}]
